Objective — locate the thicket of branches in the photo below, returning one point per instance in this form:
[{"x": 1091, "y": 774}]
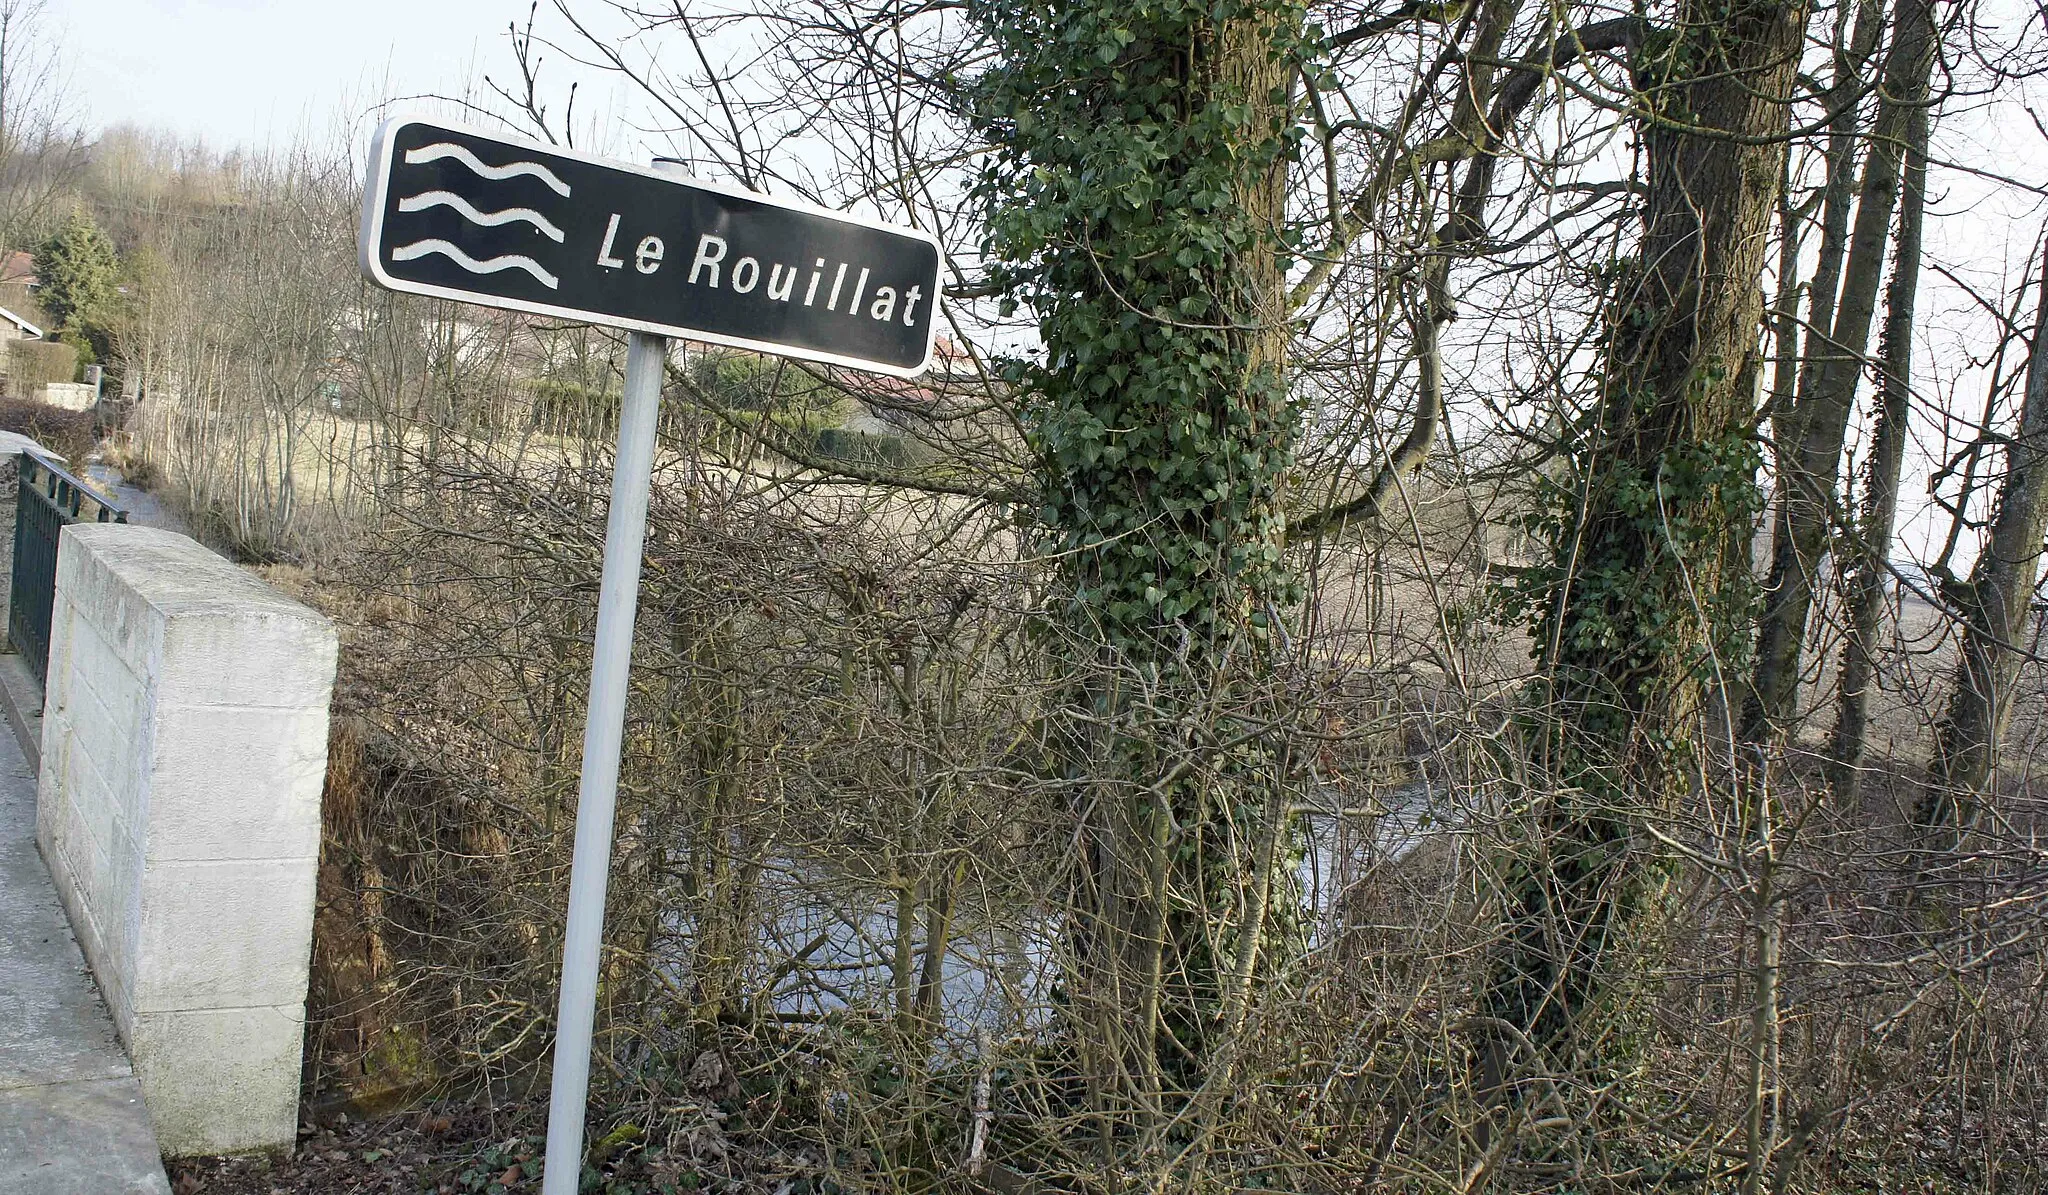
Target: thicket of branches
[{"x": 1393, "y": 657}]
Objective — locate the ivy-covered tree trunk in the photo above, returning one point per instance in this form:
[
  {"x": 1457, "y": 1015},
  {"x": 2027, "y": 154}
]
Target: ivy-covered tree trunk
[
  {"x": 1649, "y": 582},
  {"x": 1136, "y": 203}
]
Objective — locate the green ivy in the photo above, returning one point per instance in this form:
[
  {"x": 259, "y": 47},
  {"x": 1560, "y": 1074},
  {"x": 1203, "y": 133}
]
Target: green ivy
[
  {"x": 1137, "y": 144},
  {"x": 1647, "y": 592},
  {"x": 1114, "y": 215},
  {"x": 1640, "y": 593}
]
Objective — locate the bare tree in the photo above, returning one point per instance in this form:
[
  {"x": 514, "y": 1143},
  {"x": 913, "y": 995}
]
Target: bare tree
[
  {"x": 1996, "y": 603},
  {"x": 1869, "y": 575},
  {"x": 42, "y": 146},
  {"x": 1835, "y": 363}
]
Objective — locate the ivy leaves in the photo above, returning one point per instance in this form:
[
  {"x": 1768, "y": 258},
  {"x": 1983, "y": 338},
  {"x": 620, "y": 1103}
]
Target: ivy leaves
[
  {"x": 1622, "y": 599},
  {"x": 1117, "y": 203}
]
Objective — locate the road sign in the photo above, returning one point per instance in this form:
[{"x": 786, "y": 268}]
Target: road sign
[{"x": 457, "y": 213}]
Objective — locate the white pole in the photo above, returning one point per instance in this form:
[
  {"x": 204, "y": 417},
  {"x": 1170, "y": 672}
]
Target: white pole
[{"x": 618, "y": 598}]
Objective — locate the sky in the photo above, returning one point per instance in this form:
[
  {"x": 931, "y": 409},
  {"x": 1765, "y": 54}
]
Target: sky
[{"x": 251, "y": 72}]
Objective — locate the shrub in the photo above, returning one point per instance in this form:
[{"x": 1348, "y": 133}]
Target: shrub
[
  {"x": 749, "y": 382},
  {"x": 69, "y": 433},
  {"x": 561, "y": 403},
  {"x": 845, "y": 444},
  {"x": 31, "y": 363}
]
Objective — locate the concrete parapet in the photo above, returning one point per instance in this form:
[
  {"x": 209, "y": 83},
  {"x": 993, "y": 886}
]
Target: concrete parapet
[
  {"x": 72, "y": 396},
  {"x": 184, "y": 748}
]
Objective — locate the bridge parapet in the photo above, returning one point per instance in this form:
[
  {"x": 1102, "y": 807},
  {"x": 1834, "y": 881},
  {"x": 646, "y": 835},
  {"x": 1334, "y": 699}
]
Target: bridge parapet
[{"x": 184, "y": 749}]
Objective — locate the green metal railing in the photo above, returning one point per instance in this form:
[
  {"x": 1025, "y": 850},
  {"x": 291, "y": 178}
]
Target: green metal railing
[{"x": 47, "y": 500}]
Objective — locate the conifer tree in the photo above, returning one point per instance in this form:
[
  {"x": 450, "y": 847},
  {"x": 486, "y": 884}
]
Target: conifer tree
[{"x": 77, "y": 268}]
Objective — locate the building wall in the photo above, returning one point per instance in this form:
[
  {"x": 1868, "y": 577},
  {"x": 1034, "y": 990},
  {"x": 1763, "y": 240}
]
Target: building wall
[{"x": 184, "y": 749}]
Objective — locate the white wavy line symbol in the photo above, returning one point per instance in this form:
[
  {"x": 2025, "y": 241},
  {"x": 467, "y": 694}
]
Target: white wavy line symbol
[
  {"x": 447, "y": 149},
  {"x": 509, "y": 261},
  {"x": 427, "y": 199}
]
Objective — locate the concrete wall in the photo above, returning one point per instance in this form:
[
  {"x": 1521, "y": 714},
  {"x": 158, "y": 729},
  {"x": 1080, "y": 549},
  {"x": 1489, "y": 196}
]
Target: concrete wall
[
  {"x": 71, "y": 396},
  {"x": 184, "y": 749}
]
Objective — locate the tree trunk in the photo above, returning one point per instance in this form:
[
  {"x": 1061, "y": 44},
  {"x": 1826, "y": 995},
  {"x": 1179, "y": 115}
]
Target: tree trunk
[
  {"x": 1784, "y": 314},
  {"x": 1879, "y": 517},
  {"x": 1150, "y": 250},
  {"x": 1855, "y": 39},
  {"x": 1996, "y": 603},
  {"x": 1648, "y": 583},
  {"x": 1807, "y": 480}
]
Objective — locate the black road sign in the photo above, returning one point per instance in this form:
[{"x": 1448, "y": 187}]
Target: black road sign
[{"x": 456, "y": 213}]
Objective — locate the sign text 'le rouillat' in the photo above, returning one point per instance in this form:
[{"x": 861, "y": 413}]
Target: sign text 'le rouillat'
[{"x": 460, "y": 214}]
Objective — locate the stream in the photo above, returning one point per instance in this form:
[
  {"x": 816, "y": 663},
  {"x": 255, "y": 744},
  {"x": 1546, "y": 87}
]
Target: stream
[{"x": 998, "y": 978}]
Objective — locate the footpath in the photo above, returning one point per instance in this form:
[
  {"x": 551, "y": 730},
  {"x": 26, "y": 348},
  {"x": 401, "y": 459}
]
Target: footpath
[{"x": 71, "y": 1114}]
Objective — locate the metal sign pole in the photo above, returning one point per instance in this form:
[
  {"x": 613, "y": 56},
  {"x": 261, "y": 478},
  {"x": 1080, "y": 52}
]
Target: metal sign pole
[{"x": 618, "y": 599}]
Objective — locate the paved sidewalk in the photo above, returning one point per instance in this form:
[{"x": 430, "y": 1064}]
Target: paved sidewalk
[{"x": 71, "y": 1115}]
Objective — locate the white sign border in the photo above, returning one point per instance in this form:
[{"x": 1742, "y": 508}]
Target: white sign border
[{"x": 370, "y": 232}]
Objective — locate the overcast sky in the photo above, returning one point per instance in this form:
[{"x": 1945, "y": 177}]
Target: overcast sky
[
  {"x": 254, "y": 72},
  {"x": 243, "y": 72}
]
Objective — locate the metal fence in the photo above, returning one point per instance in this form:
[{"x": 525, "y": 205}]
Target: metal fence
[{"x": 47, "y": 499}]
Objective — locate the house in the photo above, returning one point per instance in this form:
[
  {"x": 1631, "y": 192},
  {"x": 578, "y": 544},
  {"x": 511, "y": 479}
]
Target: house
[
  {"x": 18, "y": 267},
  {"x": 14, "y": 327},
  {"x": 20, "y": 315}
]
